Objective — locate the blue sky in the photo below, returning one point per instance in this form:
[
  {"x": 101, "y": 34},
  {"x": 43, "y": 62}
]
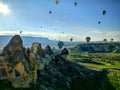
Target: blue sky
[{"x": 66, "y": 20}]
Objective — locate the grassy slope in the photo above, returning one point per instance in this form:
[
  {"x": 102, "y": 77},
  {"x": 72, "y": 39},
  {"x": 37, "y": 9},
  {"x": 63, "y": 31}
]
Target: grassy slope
[{"x": 98, "y": 61}]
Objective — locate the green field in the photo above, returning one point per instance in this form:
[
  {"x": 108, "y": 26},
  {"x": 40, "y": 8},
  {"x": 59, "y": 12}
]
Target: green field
[{"x": 100, "y": 61}]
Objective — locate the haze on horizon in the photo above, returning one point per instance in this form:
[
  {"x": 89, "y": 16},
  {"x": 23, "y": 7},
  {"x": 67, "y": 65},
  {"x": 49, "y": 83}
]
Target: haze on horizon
[{"x": 62, "y": 21}]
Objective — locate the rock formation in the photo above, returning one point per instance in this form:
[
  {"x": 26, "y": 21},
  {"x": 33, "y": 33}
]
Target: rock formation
[
  {"x": 48, "y": 50},
  {"x": 37, "y": 49},
  {"x": 41, "y": 68},
  {"x": 61, "y": 74},
  {"x": 14, "y": 59},
  {"x": 64, "y": 53}
]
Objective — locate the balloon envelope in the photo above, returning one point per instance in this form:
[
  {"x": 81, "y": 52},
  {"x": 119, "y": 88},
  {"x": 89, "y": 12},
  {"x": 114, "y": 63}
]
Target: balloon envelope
[
  {"x": 104, "y": 40},
  {"x": 112, "y": 39},
  {"x": 71, "y": 39},
  {"x": 99, "y": 22},
  {"x": 75, "y": 3},
  {"x": 20, "y": 32},
  {"x": 104, "y": 12},
  {"x": 60, "y": 44},
  {"x": 57, "y": 2},
  {"x": 50, "y": 12},
  {"x": 88, "y": 39}
]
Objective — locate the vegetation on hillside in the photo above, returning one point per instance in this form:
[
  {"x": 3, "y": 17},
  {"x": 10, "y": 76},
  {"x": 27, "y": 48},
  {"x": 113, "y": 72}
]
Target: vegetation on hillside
[{"x": 100, "y": 61}]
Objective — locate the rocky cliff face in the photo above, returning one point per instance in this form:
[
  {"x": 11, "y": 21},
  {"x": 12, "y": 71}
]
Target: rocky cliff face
[
  {"x": 48, "y": 50},
  {"x": 14, "y": 60},
  {"x": 40, "y": 67},
  {"x": 20, "y": 65}
]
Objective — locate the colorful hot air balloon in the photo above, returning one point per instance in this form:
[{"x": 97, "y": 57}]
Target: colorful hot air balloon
[
  {"x": 112, "y": 39},
  {"x": 104, "y": 40},
  {"x": 57, "y": 2},
  {"x": 75, "y": 3},
  {"x": 20, "y": 32},
  {"x": 71, "y": 39},
  {"x": 99, "y": 22},
  {"x": 60, "y": 44},
  {"x": 88, "y": 39},
  {"x": 104, "y": 12},
  {"x": 50, "y": 12}
]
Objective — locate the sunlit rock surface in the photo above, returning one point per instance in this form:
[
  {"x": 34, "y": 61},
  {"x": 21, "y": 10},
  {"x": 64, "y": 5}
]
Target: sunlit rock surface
[
  {"x": 20, "y": 65},
  {"x": 14, "y": 60}
]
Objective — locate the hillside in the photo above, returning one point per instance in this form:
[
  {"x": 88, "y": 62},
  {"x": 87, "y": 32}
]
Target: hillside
[{"x": 97, "y": 47}]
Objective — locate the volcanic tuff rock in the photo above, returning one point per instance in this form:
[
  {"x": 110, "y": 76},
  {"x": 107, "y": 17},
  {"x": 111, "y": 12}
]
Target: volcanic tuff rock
[
  {"x": 61, "y": 74},
  {"x": 19, "y": 64},
  {"x": 41, "y": 68},
  {"x": 37, "y": 49},
  {"x": 64, "y": 53},
  {"x": 14, "y": 59},
  {"x": 48, "y": 50},
  {"x": 14, "y": 52}
]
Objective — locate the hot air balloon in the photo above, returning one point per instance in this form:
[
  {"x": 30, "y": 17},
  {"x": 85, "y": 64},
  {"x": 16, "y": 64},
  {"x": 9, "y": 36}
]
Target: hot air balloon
[
  {"x": 57, "y": 2},
  {"x": 104, "y": 40},
  {"x": 112, "y": 39},
  {"x": 20, "y": 32},
  {"x": 71, "y": 39},
  {"x": 75, "y": 3},
  {"x": 41, "y": 26},
  {"x": 60, "y": 44},
  {"x": 88, "y": 39},
  {"x": 99, "y": 22},
  {"x": 50, "y": 12},
  {"x": 104, "y": 12}
]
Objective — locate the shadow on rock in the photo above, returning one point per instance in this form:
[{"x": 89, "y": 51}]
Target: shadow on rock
[
  {"x": 61, "y": 74},
  {"x": 98, "y": 82}
]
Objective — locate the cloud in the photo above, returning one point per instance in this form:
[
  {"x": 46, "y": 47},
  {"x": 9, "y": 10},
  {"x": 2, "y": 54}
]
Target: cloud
[
  {"x": 113, "y": 33},
  {"x": 97, "y": 32},
  {"x": 66, "y": 36},
  {"x": 106, "y": 33},
  {"x": 55, "y": 36},
  {"x": 8, "y": 32},
  {"x": 4, "y": 9},
  {"x": 50, "y": 35}
]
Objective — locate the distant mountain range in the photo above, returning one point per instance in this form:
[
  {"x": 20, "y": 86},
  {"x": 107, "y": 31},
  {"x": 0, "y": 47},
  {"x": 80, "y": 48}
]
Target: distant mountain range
[{"x": 28, "y": 40}]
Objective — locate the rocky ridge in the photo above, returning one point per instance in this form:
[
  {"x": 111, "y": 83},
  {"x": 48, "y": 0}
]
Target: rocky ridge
[
  {"x": 40, "y": 67},
  {"x": 96, "y": 47}
]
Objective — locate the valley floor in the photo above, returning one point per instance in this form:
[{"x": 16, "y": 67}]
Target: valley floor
[{"x": 100, "y": 61}]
